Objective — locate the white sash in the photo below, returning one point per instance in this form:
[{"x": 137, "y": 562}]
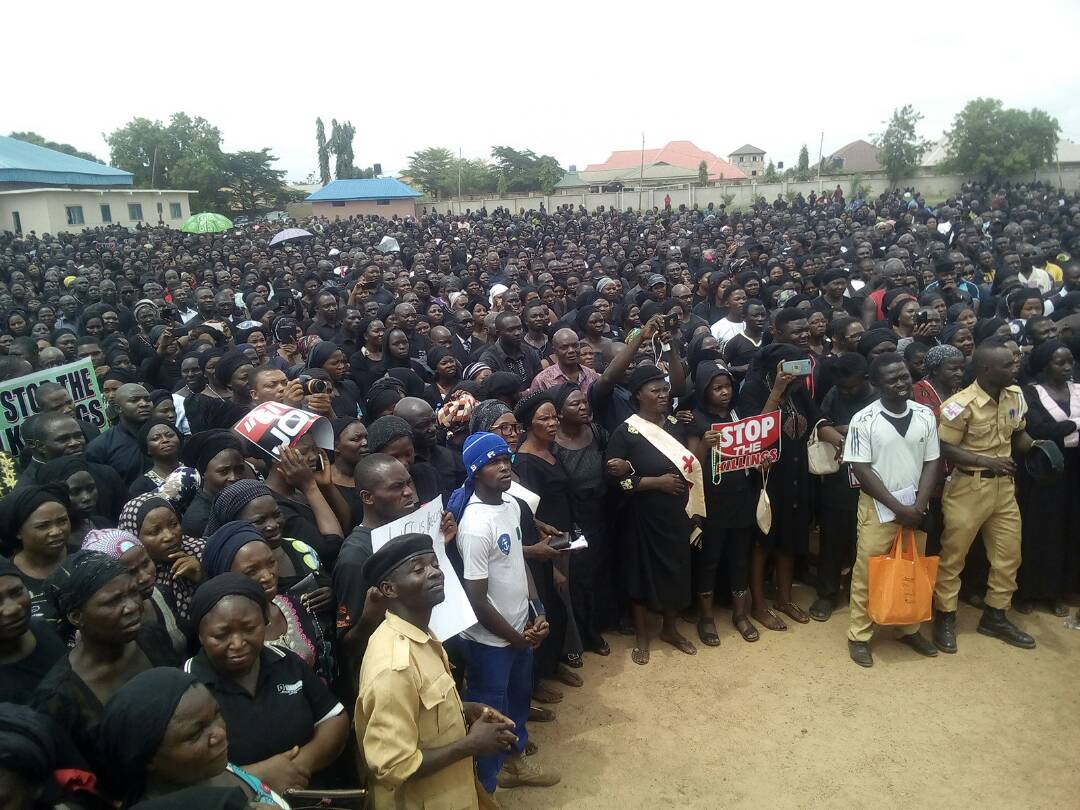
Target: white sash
[
  {"x": 685, "y": 461},
  {"x": 1052, "y": 408}
]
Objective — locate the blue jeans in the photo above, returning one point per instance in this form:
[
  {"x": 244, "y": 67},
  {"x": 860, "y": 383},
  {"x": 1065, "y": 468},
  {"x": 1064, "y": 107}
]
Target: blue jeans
[{"x": 500, "y": 677}]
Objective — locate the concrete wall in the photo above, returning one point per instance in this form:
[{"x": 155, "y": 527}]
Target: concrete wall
[
  {"x": 935, "y": 187},
  {"x": 402, "y": 208},
  {"x": 45, "y": 210}
]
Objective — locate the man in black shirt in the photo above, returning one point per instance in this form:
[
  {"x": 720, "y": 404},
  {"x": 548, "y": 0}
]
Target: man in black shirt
[
  {"x": 120, "y": 447},
  {"x": 446, "y": 462},
  {"x": 507, "y": 354}
]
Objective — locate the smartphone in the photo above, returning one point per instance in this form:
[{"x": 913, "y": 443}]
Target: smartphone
[
  {"x": 921, "y": 318},
  {"x": 796, "y": 368},
  {"x": 671, "y": 321},
  {"x": 306, "y": 585}
]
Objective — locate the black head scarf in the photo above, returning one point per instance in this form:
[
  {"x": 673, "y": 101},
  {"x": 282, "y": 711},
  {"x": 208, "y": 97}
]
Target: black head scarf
[
  {"x": 642, "y": 375},
  {"x": 228, "y": 364},
  {"x": 21, "y": 502},
  {"x": 61, "y": 469},
  {"x": 561, "y": 393},
  {"x": 501, "y": 384},
  {"x": 134, "y": 724},
  {"x": 150, "y": 424},
  {"x": 321, "y": 352},
  {"x": 386, "y": 429},
  {"x": 27, "y": 746},
  {"x": 528, "y": 405},
  {"x": 767, "y": 359},
  {"x": 1042, "y": 354},
  {"x": 224, "y": 543},
  {"x": 79, "y": 577},
  {"x": 413, "y": 384},
  {"x": 201, "y": 448},
  {"x": 985, "y": 328},
  {"x": 704, "y": 374},
  {"x": 217, "y": 588},
  {"x": 231, "y": 501}
]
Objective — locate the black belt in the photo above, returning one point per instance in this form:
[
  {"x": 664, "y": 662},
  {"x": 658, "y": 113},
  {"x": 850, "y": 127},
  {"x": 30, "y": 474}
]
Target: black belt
[{"x": 983, "y": 473}]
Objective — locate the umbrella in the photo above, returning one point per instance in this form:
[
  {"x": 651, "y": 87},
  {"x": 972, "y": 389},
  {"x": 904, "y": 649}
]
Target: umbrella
[
  {"x": 206, "y": 223},
  {"x": 289, "y": 234}
]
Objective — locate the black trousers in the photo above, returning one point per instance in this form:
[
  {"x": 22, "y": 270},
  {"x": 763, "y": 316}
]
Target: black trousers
[{"x": 838, "y": 536}]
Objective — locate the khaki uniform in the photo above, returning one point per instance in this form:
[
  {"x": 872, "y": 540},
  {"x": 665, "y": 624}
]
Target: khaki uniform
[
  {"x": 875, "y": 538},
  {"x": 408, "y": 702},
  {"x": 973, "y": 500}
]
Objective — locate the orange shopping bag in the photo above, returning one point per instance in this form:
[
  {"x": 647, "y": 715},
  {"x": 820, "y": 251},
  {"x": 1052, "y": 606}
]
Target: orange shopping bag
[{"x": 902, "y": 585}]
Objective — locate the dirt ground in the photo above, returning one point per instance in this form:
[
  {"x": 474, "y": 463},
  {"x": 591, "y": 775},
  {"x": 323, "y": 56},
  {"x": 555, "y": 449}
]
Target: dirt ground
[{"x": 791, "y": 722}]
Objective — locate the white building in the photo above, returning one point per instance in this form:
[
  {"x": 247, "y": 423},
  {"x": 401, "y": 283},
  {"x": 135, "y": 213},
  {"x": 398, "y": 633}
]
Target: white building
[{"x": 45, "y": 191}]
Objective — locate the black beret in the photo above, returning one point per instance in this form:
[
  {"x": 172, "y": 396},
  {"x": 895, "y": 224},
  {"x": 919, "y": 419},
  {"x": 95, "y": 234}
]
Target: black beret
[{"x": 393, "y": 554}]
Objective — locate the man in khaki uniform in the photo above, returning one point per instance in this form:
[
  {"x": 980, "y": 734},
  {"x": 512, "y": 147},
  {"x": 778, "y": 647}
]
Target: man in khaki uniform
[
  {"x": 979, "y": 427},
  {"x": 410, "y": 720}
]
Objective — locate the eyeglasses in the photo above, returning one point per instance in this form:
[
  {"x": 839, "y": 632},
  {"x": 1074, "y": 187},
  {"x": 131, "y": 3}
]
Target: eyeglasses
[{"x": 507, "y": 431}]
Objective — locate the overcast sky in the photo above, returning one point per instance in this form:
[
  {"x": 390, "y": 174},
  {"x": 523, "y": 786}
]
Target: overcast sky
[{"x": 575, "y": 80}]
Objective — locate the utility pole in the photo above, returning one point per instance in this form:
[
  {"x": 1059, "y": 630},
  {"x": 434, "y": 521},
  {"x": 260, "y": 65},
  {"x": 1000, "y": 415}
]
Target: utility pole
[
  {"x": 821, "y": 145},
  {"x": 641, "y": 175},
  {"x": 153, "y": 169},
  {"x": 459, "y": 172}
]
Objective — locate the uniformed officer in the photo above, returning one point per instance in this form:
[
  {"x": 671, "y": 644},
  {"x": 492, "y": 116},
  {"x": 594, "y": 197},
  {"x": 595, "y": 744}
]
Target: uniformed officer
[
  {"x": 979, "y": 428},
  {"x": 410, "y": 720}
]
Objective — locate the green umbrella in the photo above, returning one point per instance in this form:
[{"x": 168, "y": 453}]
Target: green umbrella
[{"x": 206, "y": 223}]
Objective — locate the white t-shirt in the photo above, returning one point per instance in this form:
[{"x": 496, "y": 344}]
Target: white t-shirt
[
  {"x": 489, "y": 539},
  {"x": 724, "y": 330},
  {"x": 898, "y": 460}
]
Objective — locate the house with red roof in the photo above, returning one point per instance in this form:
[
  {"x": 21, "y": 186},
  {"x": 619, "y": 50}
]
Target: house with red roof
[{"x": 674, "y": 164}]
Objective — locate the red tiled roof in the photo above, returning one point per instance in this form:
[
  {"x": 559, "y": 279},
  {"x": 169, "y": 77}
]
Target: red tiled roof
[{"x": 675, "y": 153}]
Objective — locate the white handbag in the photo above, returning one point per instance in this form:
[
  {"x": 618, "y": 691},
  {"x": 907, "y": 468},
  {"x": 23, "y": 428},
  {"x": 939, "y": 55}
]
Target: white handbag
[{"x": 821, "y": 455}]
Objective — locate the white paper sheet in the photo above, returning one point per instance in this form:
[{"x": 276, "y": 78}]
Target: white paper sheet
[
  {"x": 906, "y": 496},
  {"x": 454, "y": 613}
]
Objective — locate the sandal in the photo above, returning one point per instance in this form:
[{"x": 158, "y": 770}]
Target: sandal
[
  {"x": 639, "y": 656},
  {"x": 601, "y": 647},
  {"x": 573, "y": 660},
  {"x": 793, "y": 611},
  {"x": 745, "y": 628},
  {"x": 822, "y": 609},
  {"x": 543, "y": 693},
  {"x": 538, "y": 714},
  {"x": 531, "y": 748},
  {"x": 565, "y": 676},
  {"x": 708, "y": 637}
]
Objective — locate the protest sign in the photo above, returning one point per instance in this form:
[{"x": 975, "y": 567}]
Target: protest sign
[
  {"x": 746, "y": 442},
  {"x": 18, "y": 402},
  {"x": 270, "y": 424},
  {"x": 454, "y": 613}
]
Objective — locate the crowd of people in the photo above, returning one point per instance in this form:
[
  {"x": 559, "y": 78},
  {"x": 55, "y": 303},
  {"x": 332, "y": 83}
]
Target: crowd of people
[{"x": 189, "y": 617}]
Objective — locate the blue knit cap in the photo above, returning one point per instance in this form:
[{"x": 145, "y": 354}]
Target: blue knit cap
[{"x": 479, "y": 449}]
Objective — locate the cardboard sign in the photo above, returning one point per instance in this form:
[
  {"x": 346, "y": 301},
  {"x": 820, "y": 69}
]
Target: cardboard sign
[
  {"x": 270, "y": 424},
  {"x": 747, "y": 442},
  {"x": 454, "y": 613},
  {"x": 18, "y": 403}
]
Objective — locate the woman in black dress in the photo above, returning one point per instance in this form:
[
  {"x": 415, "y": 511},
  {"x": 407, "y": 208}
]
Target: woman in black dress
[
  {"x": 654, "y": 524},
  {"x": 331, "y": 359},
  {"x": 1050, "y": 507},
  {"x": 366, "y": 365},
  {"x": 540, "y": 472},
  {"x": 579, "y": 447},
  {"x": 729, "y": 508},
  {"x": 37, "y": 521},
  {"x": 769, "y": 389}
]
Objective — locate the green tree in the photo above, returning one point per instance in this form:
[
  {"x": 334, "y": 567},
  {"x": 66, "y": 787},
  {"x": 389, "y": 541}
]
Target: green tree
[
  {"x": 66, "y": 148},
  {"x": 991, "y": 142},
  {"x": 430, "y": 168},
  {"x": 525, "y": 170},
  {"x": 341, "y": 144},
  {"x": 185, "y": 153},
  {"x": 324, "y": 152},
  {"x": 802, "y": 169},
  {"x": 901, "y": 148},
  {"x": 477, "y": 177},
  {"x": 770, "y": 173},
  {"x": 252, "y": 184},
  {"x": 703, "y": 174}
]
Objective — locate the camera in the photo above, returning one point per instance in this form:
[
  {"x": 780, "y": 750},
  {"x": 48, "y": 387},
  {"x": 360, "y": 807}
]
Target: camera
[
  {"x": 313, "y": 385},
  {"x": 671, "y": 321}
]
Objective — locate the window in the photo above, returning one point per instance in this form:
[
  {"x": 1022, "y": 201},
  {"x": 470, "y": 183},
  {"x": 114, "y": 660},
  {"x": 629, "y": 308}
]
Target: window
[
  {"x": 160, "y": 210},
  {"x": 753, "y": 173},
  {"x": 382, "y": 202},
  {"x": 16, "y": 222},
  {"x": 175, "y": 211},
  {"x": 338, "y": 204},
  {"x": 135, "y": 211},
  {"x": 74, "y": 214},
  {"x": 106, "y": 213}
]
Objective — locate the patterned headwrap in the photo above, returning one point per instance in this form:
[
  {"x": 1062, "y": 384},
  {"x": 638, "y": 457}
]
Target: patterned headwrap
[
  {"x": 486, "y": 414},
  {"x": 455, "y": 412},
  {"x": 941, "y": 354},
  {"x": 114, "y": 543},
  {"x": 79, "y": 577},
  {"x": 231, "y": 501}
]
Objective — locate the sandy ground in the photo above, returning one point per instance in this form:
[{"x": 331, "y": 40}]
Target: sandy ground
[{"x": 791, "y": 722}]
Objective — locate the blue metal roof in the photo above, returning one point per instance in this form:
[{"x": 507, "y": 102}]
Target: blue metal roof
[
  {"x": 384, "y": 188},
  {"x": 22, "y": 162}
]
